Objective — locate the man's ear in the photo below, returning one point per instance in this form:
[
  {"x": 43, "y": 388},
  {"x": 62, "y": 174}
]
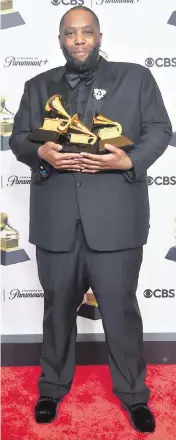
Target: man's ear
[{"x": 59, "y": 39}]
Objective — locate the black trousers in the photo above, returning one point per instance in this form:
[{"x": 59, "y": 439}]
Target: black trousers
[{"x": 113, "y": 277}]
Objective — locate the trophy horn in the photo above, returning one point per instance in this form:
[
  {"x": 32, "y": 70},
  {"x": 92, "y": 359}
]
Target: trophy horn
[
  {"x": 3, "y": 219},
  {"x": 55, "y": 103},
  {"x": 99, "y": 120},
  {"x": 3, "y": 108},
  {"x": 78, "y": 125}
]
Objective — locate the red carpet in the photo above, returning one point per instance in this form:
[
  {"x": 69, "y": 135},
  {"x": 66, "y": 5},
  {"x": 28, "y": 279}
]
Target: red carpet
[{"x": 90, "y": 411}]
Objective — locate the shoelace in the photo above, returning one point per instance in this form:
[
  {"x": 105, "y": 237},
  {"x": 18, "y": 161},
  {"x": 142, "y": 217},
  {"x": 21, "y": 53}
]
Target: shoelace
[
  {"x": 141, "y": 405},
  {"x": 47, "y": 398}
]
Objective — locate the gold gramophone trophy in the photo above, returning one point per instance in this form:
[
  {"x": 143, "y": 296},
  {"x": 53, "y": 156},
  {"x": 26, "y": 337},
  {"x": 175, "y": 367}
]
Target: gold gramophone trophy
[
  {"x": 171, "y": 254},
  {"x": 6, "y": 124},
  {"x": 62, "y": 128},
  {"x": 89, "y": 308},
  {"x": 109, "y": 132},
  {"x": 72, "y": 133},
  {"x": 9, "y": 17},
  {"x": 10, "y": 251}
]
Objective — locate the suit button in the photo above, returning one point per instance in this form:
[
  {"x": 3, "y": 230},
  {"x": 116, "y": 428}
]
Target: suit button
[{"x": 78, "y": 184}]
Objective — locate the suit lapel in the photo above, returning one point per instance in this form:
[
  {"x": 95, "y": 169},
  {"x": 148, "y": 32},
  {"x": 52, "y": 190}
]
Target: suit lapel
[
  {"x": 104, "y": 80},
  {"x": 58, "y": 86}
]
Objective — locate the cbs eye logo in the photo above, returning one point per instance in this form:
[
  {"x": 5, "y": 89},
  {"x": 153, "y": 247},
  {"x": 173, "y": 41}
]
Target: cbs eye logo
[
  {"x": 161, "y": 180},
  {"x": 67, "y": 2},
  {"x": 159, "y": 293},
  {"x": 160, "y": 62}
]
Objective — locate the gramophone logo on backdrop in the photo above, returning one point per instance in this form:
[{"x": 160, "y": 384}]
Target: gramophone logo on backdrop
[
  {"x": 172, "y": 19},
  {"x": 89, "y": 307},
  {"x": 11, "y": 253},
  {"x": 171, "y": 254},
  {"x": 9, "y": 17},
  {"x": 6, "y": 124}
]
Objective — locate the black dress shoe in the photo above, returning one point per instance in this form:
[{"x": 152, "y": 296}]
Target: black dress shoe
[
  {"x": 141, "y": 417},
  {"x": 46, "y": 409}
]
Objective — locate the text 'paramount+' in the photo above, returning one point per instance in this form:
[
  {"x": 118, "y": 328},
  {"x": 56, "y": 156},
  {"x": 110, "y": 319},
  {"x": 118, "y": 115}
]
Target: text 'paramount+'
[
  {"x": 16, "y": 293},
  {"x": 12, "y": 61},
  {"x": 82, "y": 2},
  {"x": 15, "y": 180}
]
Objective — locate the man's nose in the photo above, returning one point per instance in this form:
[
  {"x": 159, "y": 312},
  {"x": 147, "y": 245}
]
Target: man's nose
[{"x": 79, "y": 38}]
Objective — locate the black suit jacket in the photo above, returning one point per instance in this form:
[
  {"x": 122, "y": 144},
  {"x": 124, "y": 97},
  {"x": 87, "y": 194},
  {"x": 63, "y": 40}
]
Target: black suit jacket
[{"x": 114, "y": 204}]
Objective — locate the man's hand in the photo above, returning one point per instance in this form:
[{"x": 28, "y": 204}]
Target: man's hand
[
  {"x": 116, "y": 160},
  {"x": 64, "y": 161}
]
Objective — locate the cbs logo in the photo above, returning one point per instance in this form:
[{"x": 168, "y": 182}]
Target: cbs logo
[
  {"x": 159, "y": 293},
  {"x": 160, "y": 62},
  {"x": 68, "y": 2},
  {"x": 161, "y": 180}
]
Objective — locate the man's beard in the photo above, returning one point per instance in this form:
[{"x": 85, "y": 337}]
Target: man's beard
[{"x": 89, "y": 63}]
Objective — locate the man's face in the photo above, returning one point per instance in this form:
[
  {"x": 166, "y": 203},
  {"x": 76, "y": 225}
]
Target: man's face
[{"x": 79, "y": 35}]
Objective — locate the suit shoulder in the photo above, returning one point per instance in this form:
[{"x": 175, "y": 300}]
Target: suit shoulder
[
  {"x": 127, "y": 67},
  {"x": 47, "y": 75}
]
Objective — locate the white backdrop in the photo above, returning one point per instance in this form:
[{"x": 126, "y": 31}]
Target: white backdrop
[{"x": 133, "y": 31}]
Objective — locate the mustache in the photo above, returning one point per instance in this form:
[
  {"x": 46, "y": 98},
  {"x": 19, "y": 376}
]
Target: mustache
[{"x": 82, "y": 65}]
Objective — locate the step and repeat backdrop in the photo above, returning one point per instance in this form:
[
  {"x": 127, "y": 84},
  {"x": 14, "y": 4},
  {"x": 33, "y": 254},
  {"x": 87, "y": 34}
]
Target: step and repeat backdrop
[{"x": 138, "y": 31}]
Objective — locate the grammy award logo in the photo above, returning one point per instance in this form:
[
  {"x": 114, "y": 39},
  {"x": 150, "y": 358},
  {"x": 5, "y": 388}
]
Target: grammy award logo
[
  {"x": 6, "y": 124},
  {"x": 89, "y": 307},
  {"x": 172, "y": 19},
  {"x": 171, "y": 255},
  {"x": 9, "y": 17},
  {"x": 11, "y": 253}
]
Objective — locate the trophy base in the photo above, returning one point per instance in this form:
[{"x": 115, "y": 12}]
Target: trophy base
[
  {"x": 13, "y": 257},
  {"x": 172, "y": 142},
  {"x": 171, "y": 255},
  {"x": 43, "y": 136},
  {"x": 5, "y": 143},
  {"x": 11, "y": 19},
  {"x": 90, "y": 312},
  {"x": 120, "y": 142}
]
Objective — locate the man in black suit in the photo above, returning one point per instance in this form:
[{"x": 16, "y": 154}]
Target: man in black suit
[{"x": 89, "y": 214}]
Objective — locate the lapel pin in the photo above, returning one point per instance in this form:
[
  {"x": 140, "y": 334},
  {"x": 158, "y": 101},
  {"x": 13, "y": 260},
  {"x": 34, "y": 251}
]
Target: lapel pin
[{"x": 99, "y": 94}]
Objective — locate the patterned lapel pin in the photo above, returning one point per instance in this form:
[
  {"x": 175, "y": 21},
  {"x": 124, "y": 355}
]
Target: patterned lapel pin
[{"x": 99, "y": 94}]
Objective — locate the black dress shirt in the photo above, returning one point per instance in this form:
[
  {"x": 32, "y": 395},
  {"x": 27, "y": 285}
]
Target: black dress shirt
[{"x": 77, "y": 99}]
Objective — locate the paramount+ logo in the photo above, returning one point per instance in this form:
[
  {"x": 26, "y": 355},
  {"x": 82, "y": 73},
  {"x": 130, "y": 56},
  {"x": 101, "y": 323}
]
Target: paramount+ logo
[
  {"x": 161, "y": 180},
  {"x": 159, "y": 293},
  {"x": 160, "y": 62}
]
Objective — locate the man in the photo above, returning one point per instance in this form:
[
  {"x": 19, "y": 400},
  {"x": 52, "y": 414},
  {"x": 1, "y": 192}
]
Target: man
[{"x": 89, "y": 214}]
